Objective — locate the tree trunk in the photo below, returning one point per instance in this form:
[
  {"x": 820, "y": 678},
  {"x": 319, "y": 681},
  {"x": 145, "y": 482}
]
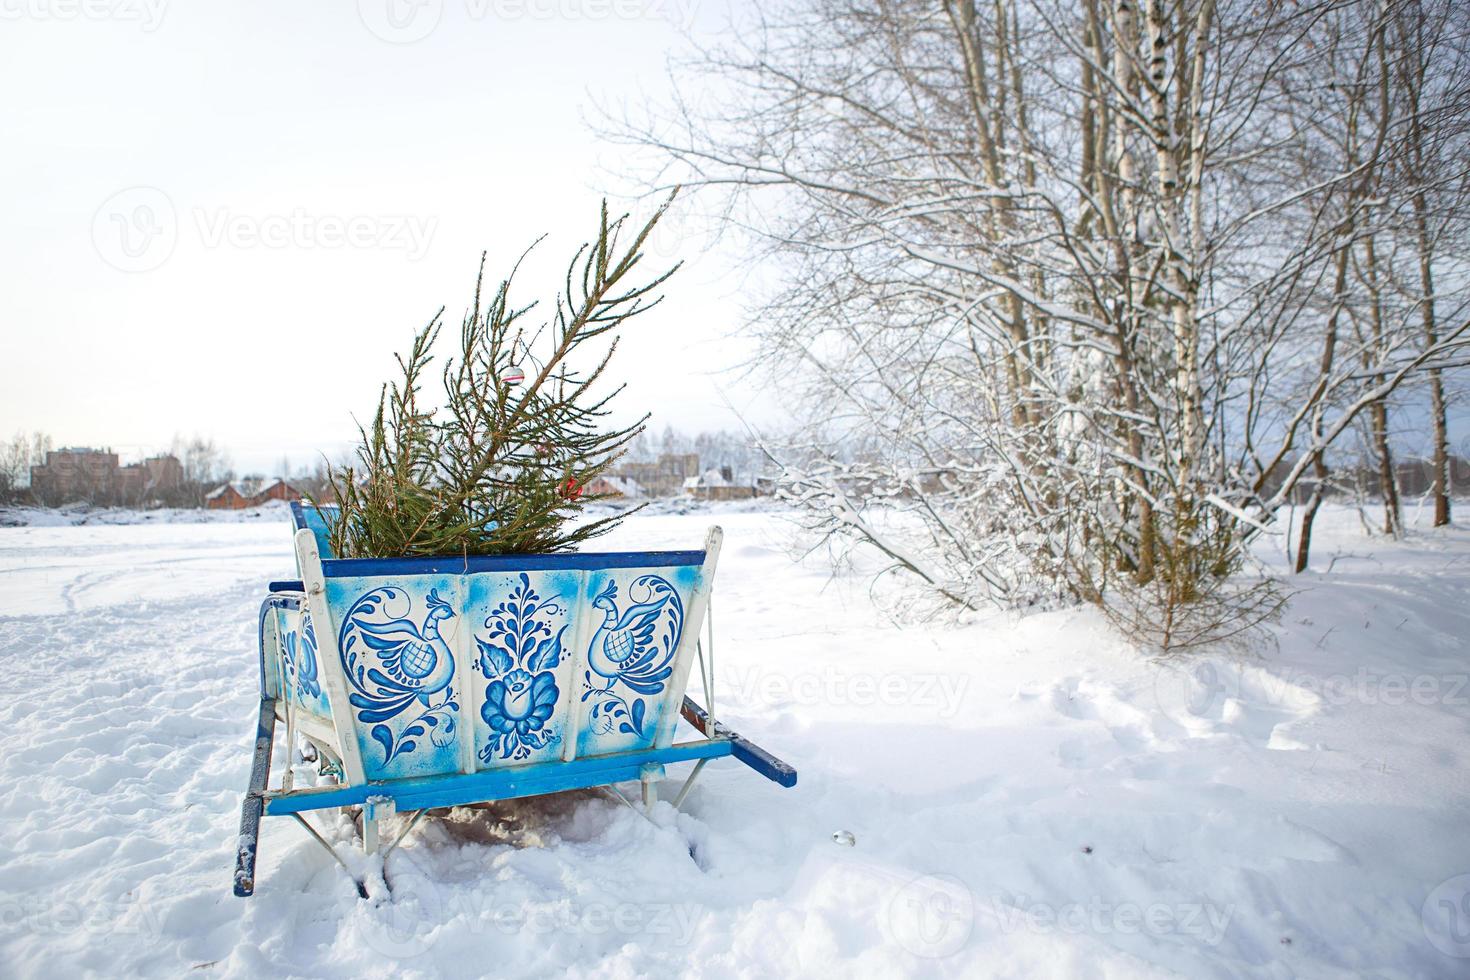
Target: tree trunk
[
  {"x": 1393, "y": 522},
  {"x": 1413, "y": 24},
  {"x": 1441, "y": 486},
  {"x": 1441, "y": 452},
  {"x": 1387, "y": 484},
  {"x": 1319, "y": 462},
  {"x": 1304, "y": 540}
]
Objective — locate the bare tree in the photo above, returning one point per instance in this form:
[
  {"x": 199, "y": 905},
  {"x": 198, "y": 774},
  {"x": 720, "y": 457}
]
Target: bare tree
[
  {"x": 1085, "y": 280},
  {"x": 16, "y": 459},
  {"x": 205, "y": 465},
  {"x": 1431, "y": 67}
]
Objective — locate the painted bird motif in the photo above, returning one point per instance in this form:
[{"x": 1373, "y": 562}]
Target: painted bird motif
[
  {"x": 629, "y": 646},
  {"x": 392, "y": 665}
]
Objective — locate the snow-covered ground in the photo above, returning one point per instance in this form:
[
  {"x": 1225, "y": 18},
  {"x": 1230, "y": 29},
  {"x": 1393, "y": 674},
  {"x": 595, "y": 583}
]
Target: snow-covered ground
[
  {"x": 1028, "y": 796},
  {"x": 74, "y": 515}
]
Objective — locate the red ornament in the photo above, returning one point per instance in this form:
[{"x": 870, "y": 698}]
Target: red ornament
[{"x": 571, "y": 489}]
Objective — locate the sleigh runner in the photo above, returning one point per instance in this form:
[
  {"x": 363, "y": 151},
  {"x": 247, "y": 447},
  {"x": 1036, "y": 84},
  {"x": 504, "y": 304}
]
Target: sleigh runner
[{"x": 435, "y": 682}]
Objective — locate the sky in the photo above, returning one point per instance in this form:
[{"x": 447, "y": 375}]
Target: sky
[{"x": 224, "y": 219}]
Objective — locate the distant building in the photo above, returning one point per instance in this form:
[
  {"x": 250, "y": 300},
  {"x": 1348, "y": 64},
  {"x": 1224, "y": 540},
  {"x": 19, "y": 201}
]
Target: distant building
[
  {"x": 75, "y": 474},
  {"x": 226, "y": 497},
  {"x": 250, "y": 493},
  {"x": 616, "y": 486},
  {"x": 665, "y": 476},
  {"x": 141, "y": 482},
  {"x": 277, "y": 489},
  {"x": 94, "y": 476},
  {"x": 718, "y": 484},
  {"x": 1416, "y": 476}
]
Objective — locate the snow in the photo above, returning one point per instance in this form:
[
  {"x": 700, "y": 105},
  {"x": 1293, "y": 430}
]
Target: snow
[
  {"x": 1027, "y": 795},
  {"x": 270, "y": 512}
]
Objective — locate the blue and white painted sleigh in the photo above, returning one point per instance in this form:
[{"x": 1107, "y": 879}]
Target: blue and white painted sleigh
[{"x": 435, "y": 682}]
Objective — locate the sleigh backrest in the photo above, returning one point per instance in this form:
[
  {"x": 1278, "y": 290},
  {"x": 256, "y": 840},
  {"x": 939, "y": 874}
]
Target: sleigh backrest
[
  {"x": 433, "y": 666},
  {"x": 317, "y": 520}
]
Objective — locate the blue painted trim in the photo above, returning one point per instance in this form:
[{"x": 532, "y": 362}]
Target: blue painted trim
[
  {"x": 498, "y": 784},
  {"x": 287, "y": 585},
  {"x": 742, "y": 748},
  {"x": 302, "y": 522},
  {"x": 353, "y": 567},
  {"x": 317, "y": 520}
]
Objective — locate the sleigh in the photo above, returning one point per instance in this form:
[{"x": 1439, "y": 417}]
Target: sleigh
[{"x": 419, "y": 683}]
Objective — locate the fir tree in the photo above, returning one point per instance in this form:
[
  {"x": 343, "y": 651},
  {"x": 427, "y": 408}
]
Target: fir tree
[{"x": 503, "y": 465}]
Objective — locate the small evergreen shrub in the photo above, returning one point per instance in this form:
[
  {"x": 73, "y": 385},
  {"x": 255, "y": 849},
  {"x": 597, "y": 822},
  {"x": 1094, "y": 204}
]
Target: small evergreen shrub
[{"x": 502, "y": 466}]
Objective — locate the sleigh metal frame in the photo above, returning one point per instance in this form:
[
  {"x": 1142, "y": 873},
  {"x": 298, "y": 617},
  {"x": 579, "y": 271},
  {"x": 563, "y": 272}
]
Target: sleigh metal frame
[{"x": 527, "y": 695}]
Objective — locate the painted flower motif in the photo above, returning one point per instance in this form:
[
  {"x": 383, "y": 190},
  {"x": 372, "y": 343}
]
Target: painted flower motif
[
  {"x": 519, "y": 702},
  {"x": 518, "y": 659},
  {"x": 301, "y": 663},
  {"x": 306, "y": 674}
]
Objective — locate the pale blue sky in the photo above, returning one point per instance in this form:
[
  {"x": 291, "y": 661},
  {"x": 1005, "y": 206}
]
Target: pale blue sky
[{"x": 224, "y": 218}]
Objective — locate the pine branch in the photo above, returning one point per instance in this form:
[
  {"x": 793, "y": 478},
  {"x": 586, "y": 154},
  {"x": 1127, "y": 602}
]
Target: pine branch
[{"x": 502, "y": 467}]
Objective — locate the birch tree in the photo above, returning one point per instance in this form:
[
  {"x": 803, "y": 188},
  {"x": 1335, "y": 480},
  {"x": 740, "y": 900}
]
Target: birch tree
[
  {"x": 1431, "y": 75},
  {"x": 1081, "y": 278}
]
